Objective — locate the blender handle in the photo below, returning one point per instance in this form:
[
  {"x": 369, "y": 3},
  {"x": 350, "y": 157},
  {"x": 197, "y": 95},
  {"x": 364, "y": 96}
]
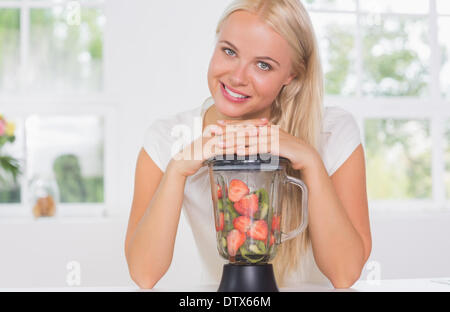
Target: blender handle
[{"x": 304, "y": 222}]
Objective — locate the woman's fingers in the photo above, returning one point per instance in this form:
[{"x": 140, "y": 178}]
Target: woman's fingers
[
  {"x": 211, "y": 147},
  {"x": 242, "y": 137},
  {"x": 250, "y": 144},
  {"x": 213, "y": 130}
]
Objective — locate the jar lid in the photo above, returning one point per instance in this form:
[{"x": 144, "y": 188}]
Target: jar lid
[{"x": 264, "y": 162}]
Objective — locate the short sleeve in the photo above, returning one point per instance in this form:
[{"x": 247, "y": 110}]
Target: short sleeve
[
  {"x": 153, "y": 144},
  {"x": 342, "y": 138}
]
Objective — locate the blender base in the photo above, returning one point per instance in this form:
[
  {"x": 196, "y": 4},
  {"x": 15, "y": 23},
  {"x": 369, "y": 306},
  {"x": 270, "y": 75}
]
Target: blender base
[{"x": 248, "y": 278}]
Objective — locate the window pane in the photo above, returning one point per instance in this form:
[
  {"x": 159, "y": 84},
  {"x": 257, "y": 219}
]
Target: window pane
[
  {"x": 398, "y": 159},
  {"x": 67, "y": 50},
  {"x": 443, "y": 6},
  {"x": 447, "y": 158},
  {"x": 336, "y": 37},
  {"x": 395, "y": 56},
  {"x": 396, "y": 6},
  {"x": 9, "y": 49},
  {"x": 70, "y": 150},
  {"x": 444, "y": 43},
  {"x": 330, "y": 4},
  {"x": 10, "y": 191}
]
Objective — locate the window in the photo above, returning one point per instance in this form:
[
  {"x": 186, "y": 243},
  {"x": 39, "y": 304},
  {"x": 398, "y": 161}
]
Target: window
[
  {"x": 51, "y": 87},
  {"x": 387, "y": 62},
  {"x": 70, "y": 149}
]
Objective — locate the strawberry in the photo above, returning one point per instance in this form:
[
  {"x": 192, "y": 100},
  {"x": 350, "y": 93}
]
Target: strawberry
[
  {"x": 247, "y": 206},
  {"x": 242, "y": 223},
  {"x": 275, "y": 223},
  {"x": 219, "y": 191},
  {"x": 219, "y": 227},
  {"x": 258, "y": 230},
  {"x": 237, "y": 190},
  {"x": 272, "y": 240},
  {"x": 235, "y": 239}
]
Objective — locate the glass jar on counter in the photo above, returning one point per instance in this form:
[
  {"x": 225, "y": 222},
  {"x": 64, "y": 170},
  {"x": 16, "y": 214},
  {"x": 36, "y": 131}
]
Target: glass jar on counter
[{"x": 44, "y": 196}]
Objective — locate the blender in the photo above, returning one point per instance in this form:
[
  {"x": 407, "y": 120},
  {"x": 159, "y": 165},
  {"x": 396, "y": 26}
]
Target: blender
[{"x": 247, "y": 195}]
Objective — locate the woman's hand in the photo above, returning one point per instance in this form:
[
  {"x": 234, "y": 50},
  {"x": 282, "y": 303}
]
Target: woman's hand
[
  {"x": 190, "y": 159},
  {"x": 271, "y": 139}
]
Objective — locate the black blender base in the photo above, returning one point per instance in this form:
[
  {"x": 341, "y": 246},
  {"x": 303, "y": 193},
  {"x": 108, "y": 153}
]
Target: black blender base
[{"x": 248, "y": 278}]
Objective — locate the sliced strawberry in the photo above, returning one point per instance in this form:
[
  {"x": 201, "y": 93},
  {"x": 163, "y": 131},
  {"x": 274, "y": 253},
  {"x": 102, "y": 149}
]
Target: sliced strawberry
[
  {"x": 219, "y": 227},
  {"x": 258, "y": 230},
  {"x": 235, "y": 239},
  {"x": 275, "y": 223},
  {"x": 237, "y": 190},
  {"x": 242, "y": 223},
  {"x": 272, "y": 240},
  {"x": 247, "y": 206},
  {"x": 219, "y": 191}
]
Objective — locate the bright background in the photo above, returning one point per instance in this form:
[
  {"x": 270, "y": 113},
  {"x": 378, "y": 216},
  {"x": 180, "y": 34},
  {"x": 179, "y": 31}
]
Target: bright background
[{"x": 83, "y": 79}]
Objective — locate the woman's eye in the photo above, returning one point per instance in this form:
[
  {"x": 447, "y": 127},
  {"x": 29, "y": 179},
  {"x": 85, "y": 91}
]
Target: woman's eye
[
  {"x": 226, "y": 50},
  {"x": 265, "y": 66}
]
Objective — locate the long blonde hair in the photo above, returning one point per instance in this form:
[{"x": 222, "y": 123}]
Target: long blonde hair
[{"x": 297, "y": 109}]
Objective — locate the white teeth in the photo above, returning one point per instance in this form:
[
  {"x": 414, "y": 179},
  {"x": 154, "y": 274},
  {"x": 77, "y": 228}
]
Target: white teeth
[{"x": 234, "y": 94}]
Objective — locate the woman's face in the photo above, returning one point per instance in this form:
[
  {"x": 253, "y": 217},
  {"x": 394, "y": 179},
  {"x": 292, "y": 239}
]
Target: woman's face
[{"x": 251, "y": 59}]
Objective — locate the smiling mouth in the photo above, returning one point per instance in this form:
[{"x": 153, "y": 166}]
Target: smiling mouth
[{"x": 234, "y": 94}]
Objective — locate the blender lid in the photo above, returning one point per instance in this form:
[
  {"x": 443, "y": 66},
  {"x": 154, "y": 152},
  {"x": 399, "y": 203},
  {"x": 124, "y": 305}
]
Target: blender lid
[{"x": 247, "y": 162}]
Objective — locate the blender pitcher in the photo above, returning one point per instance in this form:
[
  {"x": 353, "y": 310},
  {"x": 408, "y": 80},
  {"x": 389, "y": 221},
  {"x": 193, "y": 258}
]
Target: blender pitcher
[{"x": 247, "y": 195}]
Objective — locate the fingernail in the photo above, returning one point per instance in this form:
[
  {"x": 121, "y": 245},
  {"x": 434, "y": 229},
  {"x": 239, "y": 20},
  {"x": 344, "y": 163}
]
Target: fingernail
[{"x": 264, "y": 119}]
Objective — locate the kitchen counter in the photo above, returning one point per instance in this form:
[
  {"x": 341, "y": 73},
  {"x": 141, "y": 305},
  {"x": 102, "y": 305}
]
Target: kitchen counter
[{"x": 398, "y": 285}]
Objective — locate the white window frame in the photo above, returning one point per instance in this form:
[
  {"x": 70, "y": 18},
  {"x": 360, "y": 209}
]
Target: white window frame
[
  {"x": 434, "y": 108},
  {"x": 20, "y": 106}
]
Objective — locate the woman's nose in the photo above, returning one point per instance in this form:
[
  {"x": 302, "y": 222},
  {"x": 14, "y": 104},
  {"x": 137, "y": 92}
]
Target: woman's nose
[{"x": 239, "y": 75}]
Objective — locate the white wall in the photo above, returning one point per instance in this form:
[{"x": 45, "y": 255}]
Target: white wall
[{"x": 157, "y": 54}]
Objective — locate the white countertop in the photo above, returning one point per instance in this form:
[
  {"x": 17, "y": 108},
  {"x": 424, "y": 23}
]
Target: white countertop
[{"x": 402, "y": 285}]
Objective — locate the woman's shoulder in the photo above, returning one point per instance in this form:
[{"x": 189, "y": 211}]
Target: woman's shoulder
[
  {"x": 164, "y": 124},
  {"x": 335, "y": 116},
  {"x": 163, "y": 133},
  {"x": 340, "y": 137}
]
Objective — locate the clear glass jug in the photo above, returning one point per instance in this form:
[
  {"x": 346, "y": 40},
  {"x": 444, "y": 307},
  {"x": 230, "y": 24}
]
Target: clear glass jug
[{"x": 246, "y": 192}]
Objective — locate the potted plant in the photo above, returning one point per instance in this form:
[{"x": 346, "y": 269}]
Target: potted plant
[{"x": 8, "y": 164}]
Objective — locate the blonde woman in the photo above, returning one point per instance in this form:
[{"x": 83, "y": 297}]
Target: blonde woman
[{"x": 265, "y": 71}]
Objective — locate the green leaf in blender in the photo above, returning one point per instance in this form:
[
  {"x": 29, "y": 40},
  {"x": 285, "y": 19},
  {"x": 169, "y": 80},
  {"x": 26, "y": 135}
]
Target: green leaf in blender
[
  {"x": 264, "y": 208},
  {"x": 254, "y": 248},
  {"x": 220, "y": 205},
  {"x": 246, "y": 255},
  {"x": 258, "y": 213},
  {"x": 261, "y": 246},
  {"x": 264, "y": 196},
  {"x": 263, "y": 203},
  {"x": 231, "y": 209},
  {"x": 224, "y": 243},
  {"x": 228, "y": 220}
]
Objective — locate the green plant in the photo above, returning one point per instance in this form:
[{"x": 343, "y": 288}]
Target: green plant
[{"x": 8, "y": 164}]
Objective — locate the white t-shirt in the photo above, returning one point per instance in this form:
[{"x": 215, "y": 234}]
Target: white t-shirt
[{"x": 339, "y": 138}]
